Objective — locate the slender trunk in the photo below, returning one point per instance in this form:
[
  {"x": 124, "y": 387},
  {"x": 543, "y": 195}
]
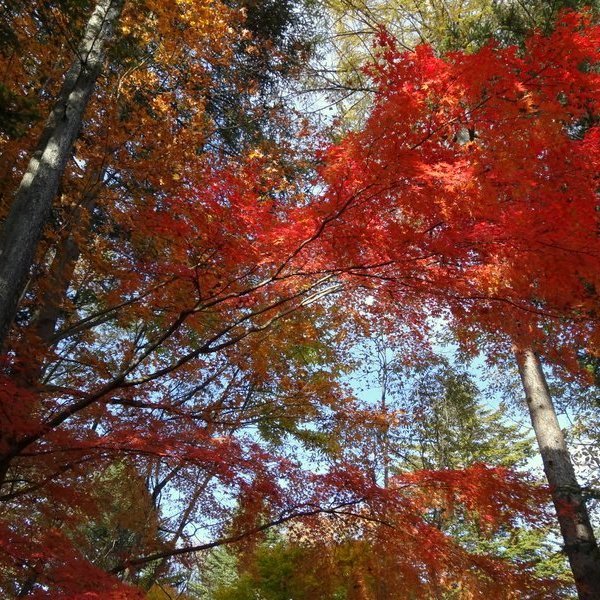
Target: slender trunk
[
  {"x": 32, "y": 203},
  {"x": 159, "y": 570},
  {"x": 579, "y": 542},
  {"x": 51, "y": 302},
  {"x": 60, "y": 272}
]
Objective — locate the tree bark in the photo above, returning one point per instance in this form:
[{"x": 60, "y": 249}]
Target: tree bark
[
  {"x": 580, "y": 544},
  {"x": 62, "y": 267},
  {"x": 33, "y": 200}
]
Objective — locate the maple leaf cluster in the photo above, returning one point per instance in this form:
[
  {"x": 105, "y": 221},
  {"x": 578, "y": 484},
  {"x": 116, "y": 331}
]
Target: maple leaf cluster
[{"x": 474, "y": 184}]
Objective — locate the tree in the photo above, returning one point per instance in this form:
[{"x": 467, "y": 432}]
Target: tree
[
  {"x": 33, "y": 200},
  {"x": 453, "y": 25},
  {"x": 430, "y": 415},
  {"x": 367, "y": 561},
  {"x": 167, "y": 324},
  {"x": 435, "y": 152},
  {"x": 83, "y": 281}
]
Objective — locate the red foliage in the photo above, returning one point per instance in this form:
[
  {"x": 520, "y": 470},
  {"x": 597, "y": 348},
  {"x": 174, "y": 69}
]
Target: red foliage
[
  {"x": 474, "y": 182},
  {"x": 449, "y": 197}
]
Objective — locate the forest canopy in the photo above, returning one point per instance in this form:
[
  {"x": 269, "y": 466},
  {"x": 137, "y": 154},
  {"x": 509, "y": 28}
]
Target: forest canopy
[{"x": 299, "y": 299}]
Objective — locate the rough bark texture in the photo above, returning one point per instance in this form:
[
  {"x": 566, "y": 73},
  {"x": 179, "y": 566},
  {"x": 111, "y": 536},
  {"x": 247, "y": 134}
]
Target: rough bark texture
[
  {"x": 33, "y": 200},
  {"x": 579, "y": 542}
]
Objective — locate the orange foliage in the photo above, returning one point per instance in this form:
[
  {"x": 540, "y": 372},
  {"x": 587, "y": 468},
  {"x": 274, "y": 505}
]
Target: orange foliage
[{"x": 196, "y": 277}]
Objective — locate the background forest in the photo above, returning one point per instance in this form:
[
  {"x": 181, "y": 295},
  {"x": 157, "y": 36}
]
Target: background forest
[{"x": 299, "y": 299}]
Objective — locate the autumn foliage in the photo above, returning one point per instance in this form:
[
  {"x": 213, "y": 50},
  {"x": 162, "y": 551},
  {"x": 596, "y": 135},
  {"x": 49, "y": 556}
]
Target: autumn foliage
[
  {"x": 189, "y": 308},
  {"x": 476, "y": 179}
]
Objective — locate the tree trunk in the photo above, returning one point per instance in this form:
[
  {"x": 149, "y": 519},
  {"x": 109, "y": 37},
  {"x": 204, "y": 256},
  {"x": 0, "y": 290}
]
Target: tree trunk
[
  {"x": 33, "y": 200},
  {"x": 62, "y": 267},
  {"x": 579, "y": 542}
]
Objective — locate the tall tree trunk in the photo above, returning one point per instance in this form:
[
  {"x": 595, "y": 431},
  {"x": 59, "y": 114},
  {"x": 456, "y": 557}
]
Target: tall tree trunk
[
  {"x": 62, "y": 267},
  {"x": 579, "y": 541},
  {"x": 158, "y": 570},
  {"x": 33, "y": 200}
]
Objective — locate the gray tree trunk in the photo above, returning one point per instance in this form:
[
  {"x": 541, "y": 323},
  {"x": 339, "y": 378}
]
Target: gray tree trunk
[
  {"x": 33, "y": 200},
  {"x": 579, "y": 542},
  {"x": 62, "y": 267}
]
